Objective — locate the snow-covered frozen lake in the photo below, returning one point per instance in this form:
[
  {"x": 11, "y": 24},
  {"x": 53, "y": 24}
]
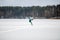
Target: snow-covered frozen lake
[{"x": 21, "y": 29}]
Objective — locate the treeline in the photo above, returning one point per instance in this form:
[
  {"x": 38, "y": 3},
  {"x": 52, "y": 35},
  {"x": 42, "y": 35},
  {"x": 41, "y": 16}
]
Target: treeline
[{"x": 34, "y": 11}]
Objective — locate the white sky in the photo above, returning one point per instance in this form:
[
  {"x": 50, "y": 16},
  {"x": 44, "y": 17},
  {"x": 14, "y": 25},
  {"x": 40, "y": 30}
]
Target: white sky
[{"x": 28, "y": 2}]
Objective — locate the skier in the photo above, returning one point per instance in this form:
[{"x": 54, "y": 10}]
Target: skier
[{"x": 30, "y": 20}]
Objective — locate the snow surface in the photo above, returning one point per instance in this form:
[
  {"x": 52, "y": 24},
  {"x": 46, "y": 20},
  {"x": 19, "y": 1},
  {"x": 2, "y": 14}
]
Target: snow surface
[{"x": 21, "y": 29}]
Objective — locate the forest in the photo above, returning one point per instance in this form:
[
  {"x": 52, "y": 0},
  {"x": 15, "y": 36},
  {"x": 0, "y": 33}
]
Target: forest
[{"x": 33, "y": 11}]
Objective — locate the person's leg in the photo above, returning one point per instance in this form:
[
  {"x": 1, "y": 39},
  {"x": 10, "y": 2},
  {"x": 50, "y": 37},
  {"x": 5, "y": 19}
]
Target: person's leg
[{"x": 31, "y": 23}]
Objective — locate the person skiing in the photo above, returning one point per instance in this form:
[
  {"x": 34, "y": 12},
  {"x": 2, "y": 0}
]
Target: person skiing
[{"x": 30, "y": 20}]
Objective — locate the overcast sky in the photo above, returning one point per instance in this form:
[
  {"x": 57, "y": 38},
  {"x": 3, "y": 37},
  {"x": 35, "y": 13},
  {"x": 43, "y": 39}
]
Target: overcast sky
[{"x": 28, "y": 2}]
